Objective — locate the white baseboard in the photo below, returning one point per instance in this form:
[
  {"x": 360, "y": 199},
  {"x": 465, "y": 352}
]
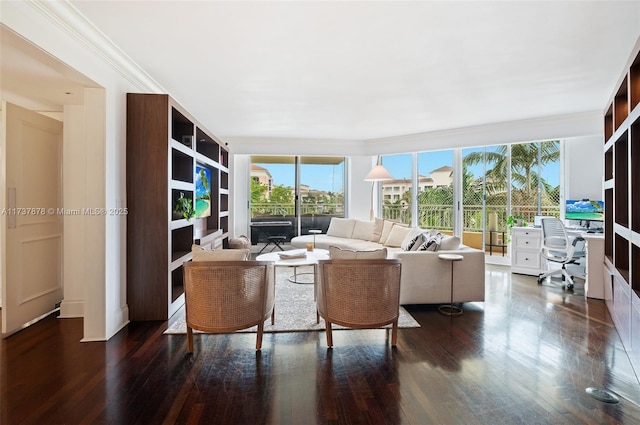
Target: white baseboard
[{"x": 71, "y": 308}]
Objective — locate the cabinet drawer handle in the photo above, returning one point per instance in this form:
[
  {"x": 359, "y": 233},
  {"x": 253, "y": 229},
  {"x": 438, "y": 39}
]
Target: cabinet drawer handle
[
  {"x": 526, "y": 259},
  {"x": 526, "y": 243}
]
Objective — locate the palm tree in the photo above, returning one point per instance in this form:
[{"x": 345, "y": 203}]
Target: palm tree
[{"x": 525, "y": 158}]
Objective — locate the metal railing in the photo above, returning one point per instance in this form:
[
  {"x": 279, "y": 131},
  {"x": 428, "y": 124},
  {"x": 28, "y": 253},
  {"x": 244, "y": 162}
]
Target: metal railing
[
  {"x": 441, "y": 216},
  {"x": 283, "y": 210},
  {"x": 429, "y": 216}
]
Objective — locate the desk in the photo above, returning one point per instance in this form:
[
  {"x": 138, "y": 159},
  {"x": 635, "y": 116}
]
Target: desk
[{"x": 525, "y": 256}]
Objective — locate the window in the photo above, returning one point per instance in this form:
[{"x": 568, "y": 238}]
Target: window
[
  {"x": 306, "y": 191},
  {"x": 496, "y": 181},
  {"x": 397, "y": 201}
]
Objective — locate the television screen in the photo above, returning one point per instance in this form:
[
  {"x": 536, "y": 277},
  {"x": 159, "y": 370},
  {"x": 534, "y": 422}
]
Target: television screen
[
  {"x": 584, "y": 209},
  {"x": 203, "y": 192}
]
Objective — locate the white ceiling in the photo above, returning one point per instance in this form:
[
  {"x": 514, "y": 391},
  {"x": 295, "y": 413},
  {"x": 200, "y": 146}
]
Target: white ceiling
[{"x": 364, "y": 70}]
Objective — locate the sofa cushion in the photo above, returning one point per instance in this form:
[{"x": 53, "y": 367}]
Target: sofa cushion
[
  {"x": 363, "y": 230},
  {"x": 198, "y": 253},
  {"x": 378, "y": 224},
  {"x": 341, "y": 227},
  {"x": 449, "y": 243},
  {"x": 397, "y": 235},
  {"x": 336, "y": 253},
  {"x": 386, "y": 229}
]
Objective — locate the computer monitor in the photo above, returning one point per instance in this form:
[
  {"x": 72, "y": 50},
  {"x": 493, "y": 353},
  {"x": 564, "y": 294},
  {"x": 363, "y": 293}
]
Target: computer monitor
[{"x": 584, "y": 210}]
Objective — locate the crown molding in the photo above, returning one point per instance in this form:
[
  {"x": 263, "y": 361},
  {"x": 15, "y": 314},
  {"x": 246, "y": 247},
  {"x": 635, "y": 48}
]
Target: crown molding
[{"x": 69, "y": 19}]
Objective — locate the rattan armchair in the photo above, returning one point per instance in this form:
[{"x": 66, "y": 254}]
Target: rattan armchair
[
  {"x": 359, "y": 294},
  {"x": 226, "y": 296}
]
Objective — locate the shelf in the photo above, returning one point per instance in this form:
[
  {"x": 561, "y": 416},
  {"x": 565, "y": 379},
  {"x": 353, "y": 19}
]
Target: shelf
[
  {"x": 608, "y": 124},
  {"x": 634, "y": 190},
  {"x": 182, "y": 128},
  {"x": 620, "y": 105},
  {"x": 164, "y": 144},
  {"x": 608, "y": 164},
  {"x": 621, "y": 256},
  {"x": 621, "y": 179},
  {"x": 634, "y": 83}
]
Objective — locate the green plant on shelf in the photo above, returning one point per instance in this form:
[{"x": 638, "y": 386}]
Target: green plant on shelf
[
  {"x": 514, "y": 220},
  {"x": 184, "y": 207}
]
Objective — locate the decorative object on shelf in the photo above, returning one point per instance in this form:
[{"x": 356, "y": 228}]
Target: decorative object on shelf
[
  {"x": 184, "y": 207},
  {"x": 377, "y": 174},
  {"x": 187, "y": 140}
]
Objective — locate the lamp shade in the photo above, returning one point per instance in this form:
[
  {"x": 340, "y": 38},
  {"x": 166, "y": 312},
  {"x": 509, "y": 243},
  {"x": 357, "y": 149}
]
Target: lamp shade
[{"x": 378, "y": 173}]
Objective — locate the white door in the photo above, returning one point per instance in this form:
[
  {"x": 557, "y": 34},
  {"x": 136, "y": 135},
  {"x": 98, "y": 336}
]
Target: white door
[{"x": 33, "y": 232}]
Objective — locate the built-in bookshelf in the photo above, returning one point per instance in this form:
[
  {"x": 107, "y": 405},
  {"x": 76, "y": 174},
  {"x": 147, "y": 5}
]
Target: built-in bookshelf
[
  {"x": 165, "y": 147},
  {"x": 622, "y": 207}
]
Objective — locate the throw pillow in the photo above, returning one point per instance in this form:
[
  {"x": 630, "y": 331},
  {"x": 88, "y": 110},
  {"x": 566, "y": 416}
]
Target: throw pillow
[
  {"x": 336, "y": 253},
  {"x": 450, "y": 243},
  {"x": 363, "y": 230},
  {"x": 418, "y": 240},
  {"x": 341, "y": 227},
  {"x": 397, "y": 235},
  {"x": 378, "y": 224},
  {"x": 411, "y": 237},
  {"x": 432, "y": 243},
  {"x": 198, "y": 253}
]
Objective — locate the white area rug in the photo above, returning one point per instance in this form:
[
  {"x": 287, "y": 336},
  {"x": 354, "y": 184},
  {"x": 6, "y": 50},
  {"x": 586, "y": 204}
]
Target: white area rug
[{"x": 295, "y": 307}]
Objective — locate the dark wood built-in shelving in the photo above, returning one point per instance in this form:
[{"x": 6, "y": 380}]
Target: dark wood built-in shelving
[
  {"x": 164, "y": 146},
  {"x": 622, "y": 207}
]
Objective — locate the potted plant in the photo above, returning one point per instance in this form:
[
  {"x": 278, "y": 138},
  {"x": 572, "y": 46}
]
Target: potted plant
[
  {"x": 514, "y": 220},
  {"x": 184, "y": 207}
]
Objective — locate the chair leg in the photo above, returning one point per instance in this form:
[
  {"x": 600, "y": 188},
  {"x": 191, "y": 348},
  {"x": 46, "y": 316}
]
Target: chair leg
[
  {"x": 189, "y": 339},
  {"x": 394, "y": 333},
  {"x": 329, "y": 334},
  {"x": 273, "y": 316},
  {"x": 259, "y": 336}
]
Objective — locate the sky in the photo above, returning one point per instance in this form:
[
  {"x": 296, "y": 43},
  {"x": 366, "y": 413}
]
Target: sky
[{"x": 329, "y": 178}]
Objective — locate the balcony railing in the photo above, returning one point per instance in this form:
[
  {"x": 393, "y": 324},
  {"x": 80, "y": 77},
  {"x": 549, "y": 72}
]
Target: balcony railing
[
  {"x": 429, "y": 216},
  {"x": 441, "y": 216},
  {"x": 284, "y": 210}
]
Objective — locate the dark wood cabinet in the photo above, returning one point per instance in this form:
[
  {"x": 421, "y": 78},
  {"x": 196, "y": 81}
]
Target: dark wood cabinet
[
  {"x": 165, "y": 147},
  {"x": 622, "y": 207}
]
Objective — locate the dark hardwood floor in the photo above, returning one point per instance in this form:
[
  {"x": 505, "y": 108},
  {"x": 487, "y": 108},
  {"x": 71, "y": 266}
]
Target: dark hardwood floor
[{"x": 525, "y": 356}]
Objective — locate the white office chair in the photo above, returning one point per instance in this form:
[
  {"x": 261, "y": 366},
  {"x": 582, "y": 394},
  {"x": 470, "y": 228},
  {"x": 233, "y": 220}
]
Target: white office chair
[{"x": 559, "y": 247}]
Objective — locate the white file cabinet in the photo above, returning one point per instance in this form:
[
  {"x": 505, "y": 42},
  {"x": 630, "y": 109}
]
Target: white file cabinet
[{"x": 525, "y": 251}]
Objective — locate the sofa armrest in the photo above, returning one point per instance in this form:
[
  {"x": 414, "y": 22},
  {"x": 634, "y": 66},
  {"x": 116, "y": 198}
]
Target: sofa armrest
[{"x": 427, "y": 280}]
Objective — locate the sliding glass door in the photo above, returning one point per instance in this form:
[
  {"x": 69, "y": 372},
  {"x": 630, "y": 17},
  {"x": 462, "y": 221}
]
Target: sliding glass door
[
  {"x": 435, "y": 195},
  {"x": 485, "y": 198},
  {"x": 290, "y": 194},
  {"x": 321, "y": 191}
]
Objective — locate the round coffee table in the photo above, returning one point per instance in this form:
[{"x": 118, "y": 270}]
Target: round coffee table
[{"x": 310, "y": 259}]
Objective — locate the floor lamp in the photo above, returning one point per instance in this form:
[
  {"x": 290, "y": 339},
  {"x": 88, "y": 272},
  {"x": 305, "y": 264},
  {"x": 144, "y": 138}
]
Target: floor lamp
[{"x": 377, "y": 174}]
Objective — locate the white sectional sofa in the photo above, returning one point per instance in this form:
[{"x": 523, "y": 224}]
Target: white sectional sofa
[{"x": 425, "y": 278}]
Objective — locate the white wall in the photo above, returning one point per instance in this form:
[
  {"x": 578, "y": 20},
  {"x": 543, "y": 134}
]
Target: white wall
[
  {"x": 56, "y": 28},
  {"x": 584, "y": 169}
]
